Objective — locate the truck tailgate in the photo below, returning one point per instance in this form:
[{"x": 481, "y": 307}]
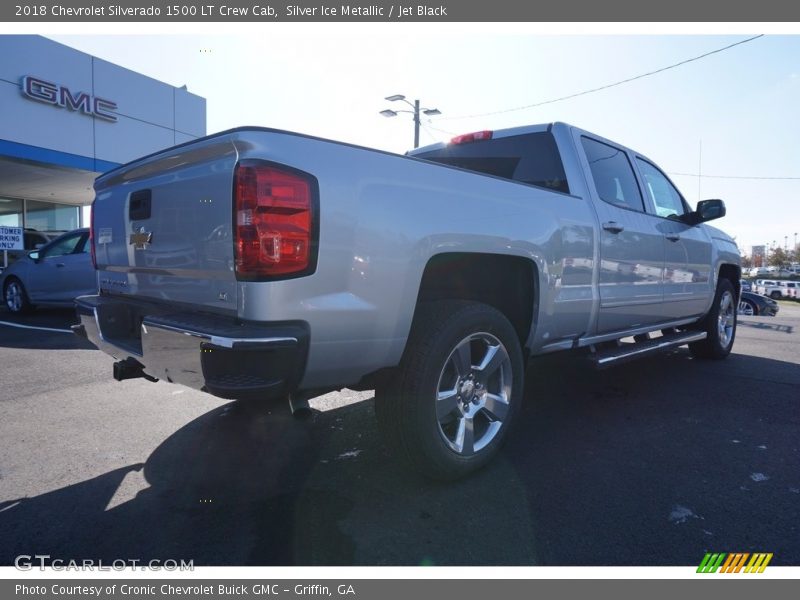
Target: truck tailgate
[{"x": 162, "y": 226}]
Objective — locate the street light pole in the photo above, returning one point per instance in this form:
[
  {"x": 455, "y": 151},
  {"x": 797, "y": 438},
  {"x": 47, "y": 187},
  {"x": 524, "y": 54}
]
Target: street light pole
[{"x": 415, "y": 113}]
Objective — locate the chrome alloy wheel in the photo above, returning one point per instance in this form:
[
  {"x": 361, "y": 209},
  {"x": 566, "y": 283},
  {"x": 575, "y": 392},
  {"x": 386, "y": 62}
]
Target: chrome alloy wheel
[
  {"x": 473, "y": 393},
  {"x": 746, "y": 309},
  {"x": 726, "y": 319},
  {"x": 14, "y": 299}
]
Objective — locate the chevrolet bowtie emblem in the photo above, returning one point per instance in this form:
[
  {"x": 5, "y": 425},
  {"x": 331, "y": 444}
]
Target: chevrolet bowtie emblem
[{"x": 141, "y": 239}]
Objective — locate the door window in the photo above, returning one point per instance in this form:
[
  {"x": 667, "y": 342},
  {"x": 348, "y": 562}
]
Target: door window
[
  {"x": 67, "y": 245},
  {"x": 666, "y": 199},
  {"x": 613, "y": 175}
]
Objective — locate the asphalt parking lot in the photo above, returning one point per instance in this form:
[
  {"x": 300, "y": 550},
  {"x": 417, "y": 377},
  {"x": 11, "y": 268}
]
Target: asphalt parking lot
[{"x": 650, "y": 463}]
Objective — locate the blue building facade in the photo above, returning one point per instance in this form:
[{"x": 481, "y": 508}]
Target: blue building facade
[{"x": 66, "y": 117}]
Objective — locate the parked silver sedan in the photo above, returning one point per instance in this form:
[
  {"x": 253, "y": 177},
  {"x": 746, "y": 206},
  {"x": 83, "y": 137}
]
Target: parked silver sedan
[{"x": 53, "y": 275}]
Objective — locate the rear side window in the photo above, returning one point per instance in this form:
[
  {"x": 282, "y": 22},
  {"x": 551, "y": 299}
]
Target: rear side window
[
  {"x": 613, "y": 175},
  {"x": 531, "y": 158}
]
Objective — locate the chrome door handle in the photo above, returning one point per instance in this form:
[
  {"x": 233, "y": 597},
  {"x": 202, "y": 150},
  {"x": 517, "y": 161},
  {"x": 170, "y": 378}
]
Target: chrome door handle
[
  {"x": 59, "y": 265},
  {"x": 613, "y": 226},
  {"x": 673, "y": 237}
]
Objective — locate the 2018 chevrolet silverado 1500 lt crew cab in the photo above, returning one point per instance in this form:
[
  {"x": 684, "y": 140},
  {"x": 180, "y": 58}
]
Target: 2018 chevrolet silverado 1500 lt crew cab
[{"x": 258, "y": 263}]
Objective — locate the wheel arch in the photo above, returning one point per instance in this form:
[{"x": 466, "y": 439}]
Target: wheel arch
[
  {"x": 508, "y": 283},
  {"x": 732, "y": 273}
]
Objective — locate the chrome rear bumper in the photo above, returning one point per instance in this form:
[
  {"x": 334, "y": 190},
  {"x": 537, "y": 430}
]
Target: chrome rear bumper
[{"x": 218, "y": 354}]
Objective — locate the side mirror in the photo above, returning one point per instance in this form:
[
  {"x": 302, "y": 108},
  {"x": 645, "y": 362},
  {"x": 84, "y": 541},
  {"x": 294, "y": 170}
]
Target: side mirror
[
  {"x": 710, "y": 209},
  {"x": 707, "y": 210},
  {"x": 34, "y": 255}
]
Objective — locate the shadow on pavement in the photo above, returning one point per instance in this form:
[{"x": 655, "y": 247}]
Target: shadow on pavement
[
  {"x": 762, "y": 325},
  {"x": 242, "y": 486},
  {"x": 20, "y": 331},
  {"x": 620, "y": 467}
]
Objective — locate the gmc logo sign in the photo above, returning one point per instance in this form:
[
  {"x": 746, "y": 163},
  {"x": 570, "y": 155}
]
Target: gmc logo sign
[{"x": 59, "y": 95}]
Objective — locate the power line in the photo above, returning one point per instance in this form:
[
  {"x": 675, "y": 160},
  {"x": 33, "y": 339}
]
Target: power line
[
  {"x": 441, "y": 130},
  {"x": 736, "y": 177},
  {"x": 428, "y": 132},
  {"x": 428, "y": 127},
  {"x": 610, "y": 85}
]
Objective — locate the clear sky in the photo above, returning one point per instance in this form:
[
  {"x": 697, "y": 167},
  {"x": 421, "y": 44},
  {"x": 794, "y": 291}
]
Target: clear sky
[{"x": 742, "y": 105}]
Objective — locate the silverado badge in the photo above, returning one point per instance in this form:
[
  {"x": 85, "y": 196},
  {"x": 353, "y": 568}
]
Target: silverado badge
[{"x": 141, "y": 239}]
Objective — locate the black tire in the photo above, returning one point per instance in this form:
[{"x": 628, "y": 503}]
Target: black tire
[
  {"x": 15, "y": 297},
  {"x": 450, "y": 341},
  {"x": 749, "y": 309},
  {"x": 719, "y": 325},
  {"x": 776, "y": 295}
]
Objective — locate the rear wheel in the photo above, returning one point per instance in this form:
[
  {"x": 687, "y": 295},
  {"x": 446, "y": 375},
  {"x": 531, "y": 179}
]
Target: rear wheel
[
  {"x": 15, "y": 296},
  {"x": 776, "y": 295},
  {"x": 719, "y": 324},
  {"x": 459, "y": 386}
]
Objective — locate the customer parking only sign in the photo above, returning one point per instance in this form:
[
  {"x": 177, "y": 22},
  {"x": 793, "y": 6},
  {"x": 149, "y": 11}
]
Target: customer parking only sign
[{"x": 10, "y": 239}]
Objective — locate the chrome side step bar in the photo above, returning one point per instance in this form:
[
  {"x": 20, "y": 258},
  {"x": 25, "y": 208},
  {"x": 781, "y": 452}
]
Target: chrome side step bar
[{"x": 642, "y": 347}]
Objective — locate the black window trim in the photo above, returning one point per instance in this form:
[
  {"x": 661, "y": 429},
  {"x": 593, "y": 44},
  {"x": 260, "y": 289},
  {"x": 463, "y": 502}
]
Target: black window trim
[{"x": 80, "y": 247}]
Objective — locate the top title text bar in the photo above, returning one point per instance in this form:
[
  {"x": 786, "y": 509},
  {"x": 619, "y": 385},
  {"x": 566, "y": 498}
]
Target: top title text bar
[{"x": 249, "y": 11}]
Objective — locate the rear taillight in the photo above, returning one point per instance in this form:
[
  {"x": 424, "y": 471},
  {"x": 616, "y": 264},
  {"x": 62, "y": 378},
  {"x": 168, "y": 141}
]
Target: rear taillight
[
  {"x": 476, "y": 136},
  {"x": 275, "y": 233},
  {"x": 91, "y": 237}
]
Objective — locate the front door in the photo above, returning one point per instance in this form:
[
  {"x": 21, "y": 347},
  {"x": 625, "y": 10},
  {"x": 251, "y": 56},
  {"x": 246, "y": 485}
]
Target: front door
[
  {"x": 688, "y": 281},
  {"x": 63, "y": 270}
]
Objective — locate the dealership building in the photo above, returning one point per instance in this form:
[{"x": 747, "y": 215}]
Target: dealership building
[{"x": 67, "y": 117}]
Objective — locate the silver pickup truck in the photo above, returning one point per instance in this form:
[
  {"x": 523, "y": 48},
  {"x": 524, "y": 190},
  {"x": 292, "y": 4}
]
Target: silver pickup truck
[{"x": 263, "y": 264}]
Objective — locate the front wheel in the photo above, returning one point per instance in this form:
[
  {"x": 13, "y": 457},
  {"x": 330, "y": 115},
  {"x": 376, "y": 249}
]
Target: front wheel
[
  {"x": 15, "y": 296},
  {"x": 459, "y": 386},
  {"x": 719, "y": 324}
]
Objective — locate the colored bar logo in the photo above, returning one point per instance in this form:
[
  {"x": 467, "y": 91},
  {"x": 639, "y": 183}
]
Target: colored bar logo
[{"x": 734, "y": 562}]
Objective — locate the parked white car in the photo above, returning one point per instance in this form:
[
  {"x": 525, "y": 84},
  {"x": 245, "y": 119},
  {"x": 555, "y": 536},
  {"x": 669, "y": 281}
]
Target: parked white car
[
  {"x": 769, "y": 287},
  {"x": 790, "y": 289}
]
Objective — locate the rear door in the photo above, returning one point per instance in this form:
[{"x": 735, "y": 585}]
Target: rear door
[
  {"x": 163, "y": 226},
  {"x": 631, "y": 245}
]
